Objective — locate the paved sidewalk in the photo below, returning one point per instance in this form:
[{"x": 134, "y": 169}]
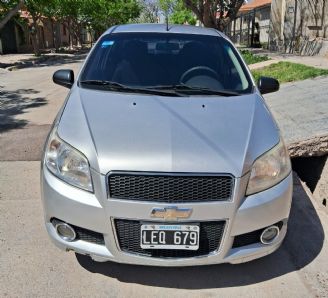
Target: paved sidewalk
[
  {"x": 19, "y": 61},
  {"x": 301, "y": 109},
  {"x": 315, "y": 61},
  {"x": 15, "y": 58},
  {"x": 262, "y": 64}
]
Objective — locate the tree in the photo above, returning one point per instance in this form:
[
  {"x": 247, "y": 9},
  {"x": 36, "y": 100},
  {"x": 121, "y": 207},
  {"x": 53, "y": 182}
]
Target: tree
[
  {"x": 52, "y": 12},
  {"x": 214, "y": 13},
  {"x": 10, "y": 8},
  {"x": 102, "y": 14},
  {"x": 176, "y": 12},
  {"x": 71, "y": 12},
  {"x": 36, "y": 9},
  {"x": 182, "y": 15},
  {"x": 149, "y": 11},
  {"x": 167, "y": 7}
]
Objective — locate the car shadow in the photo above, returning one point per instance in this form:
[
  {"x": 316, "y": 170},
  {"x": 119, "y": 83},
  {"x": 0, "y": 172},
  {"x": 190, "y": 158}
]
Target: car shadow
[
  {"x": 302, "y": 244},
  {"x": 13, "y": 103}
]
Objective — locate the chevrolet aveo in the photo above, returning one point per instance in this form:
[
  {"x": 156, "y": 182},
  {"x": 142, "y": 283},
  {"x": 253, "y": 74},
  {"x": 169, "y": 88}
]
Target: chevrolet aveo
[{"x": 165, "y": 153}]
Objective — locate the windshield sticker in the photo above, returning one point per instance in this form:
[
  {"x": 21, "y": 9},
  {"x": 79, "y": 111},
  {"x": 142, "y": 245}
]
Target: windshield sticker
[{"x": 107, "y": 43}]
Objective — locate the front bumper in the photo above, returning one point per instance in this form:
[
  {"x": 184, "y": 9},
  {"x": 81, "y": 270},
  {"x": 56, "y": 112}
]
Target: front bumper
[{"x": 96, "y": 212}]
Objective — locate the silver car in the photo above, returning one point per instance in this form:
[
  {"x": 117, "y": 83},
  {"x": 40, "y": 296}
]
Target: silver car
[{"x": 165, "y": 153}]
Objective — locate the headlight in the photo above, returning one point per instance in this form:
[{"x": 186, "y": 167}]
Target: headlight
[
  {"x": 269, "y": 169},
  {"x": 67, "y": 163}
]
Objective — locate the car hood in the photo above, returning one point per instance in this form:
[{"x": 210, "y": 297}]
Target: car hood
[{"x": 133, "y": 132}]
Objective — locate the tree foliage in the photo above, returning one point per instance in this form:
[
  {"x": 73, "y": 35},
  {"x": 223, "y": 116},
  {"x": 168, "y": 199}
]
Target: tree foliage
[
  {"x": 176, "y": 12},
  {"x": 98, "y": 14},
  {"x": 150, "y": 11},
  {"x": 211, "y": 13},
  {"x": 167, "y": 6},
  {"x": 182, "y": 15},
  {"x": 102, "y": 14}
]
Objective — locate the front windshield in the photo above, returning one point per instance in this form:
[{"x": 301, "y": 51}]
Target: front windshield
[{"x": 161, "y": 60}]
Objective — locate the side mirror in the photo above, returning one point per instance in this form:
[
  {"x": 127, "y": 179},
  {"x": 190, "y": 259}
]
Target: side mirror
[
  {"x": 64, "y": 77},
  {"x": 267, "y": 85}
]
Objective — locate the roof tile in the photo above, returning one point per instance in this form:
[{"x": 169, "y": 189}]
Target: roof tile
[{"x": 254, "y": 4}]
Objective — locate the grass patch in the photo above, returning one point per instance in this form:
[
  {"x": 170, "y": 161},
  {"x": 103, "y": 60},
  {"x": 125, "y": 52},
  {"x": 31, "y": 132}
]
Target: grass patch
[
  {"x": 250, "y": 58},
  {"x": 288, "y": 72}
]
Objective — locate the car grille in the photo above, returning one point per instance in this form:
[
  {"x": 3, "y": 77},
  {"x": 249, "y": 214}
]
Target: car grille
[
  {"x": 170, "y": 189},
  {"x": 128, "y": 235}
]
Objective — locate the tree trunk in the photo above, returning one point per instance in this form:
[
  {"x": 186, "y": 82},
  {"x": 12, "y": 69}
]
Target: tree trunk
[
  {"x": 206, "y": 12},
  {"x": 11, "y": 13},
  {"x": 70, "y": 35},
  {"x": 49, "y": 23},
  {"x": 35, "y": 44},
  {"x": 80, "y": 37},
  {"x": 35, "y": 37},
  {"x": 209, "y": 16},
  {"x": 77, "y": 31},
  {"x": 53, "y": 32},
  {"x": 56, "y": 35}
]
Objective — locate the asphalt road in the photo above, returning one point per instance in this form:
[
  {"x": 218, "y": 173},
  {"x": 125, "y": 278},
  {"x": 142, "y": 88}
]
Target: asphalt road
[{"x": 30, "y": 266}]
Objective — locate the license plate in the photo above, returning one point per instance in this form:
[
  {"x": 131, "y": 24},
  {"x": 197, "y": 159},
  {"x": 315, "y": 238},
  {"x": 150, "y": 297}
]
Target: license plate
[{"x": 169, "y": 236}]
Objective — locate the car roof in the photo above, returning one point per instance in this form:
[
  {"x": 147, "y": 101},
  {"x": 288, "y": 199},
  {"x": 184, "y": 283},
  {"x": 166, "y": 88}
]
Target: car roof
[{"x": 161, "y": 28}]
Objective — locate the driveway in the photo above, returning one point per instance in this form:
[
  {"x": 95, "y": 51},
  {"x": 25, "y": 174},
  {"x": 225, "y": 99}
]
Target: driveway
[{"x": 30, "y": 266}]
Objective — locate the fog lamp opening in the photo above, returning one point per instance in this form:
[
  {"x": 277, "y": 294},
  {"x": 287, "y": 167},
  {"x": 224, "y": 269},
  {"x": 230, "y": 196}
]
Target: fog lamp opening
[
  {"x": 269, "y": 234},
  {"x": 65, "y": 231}
]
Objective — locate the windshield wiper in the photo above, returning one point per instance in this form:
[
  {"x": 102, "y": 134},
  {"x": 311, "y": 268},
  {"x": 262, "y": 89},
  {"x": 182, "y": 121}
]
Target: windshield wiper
[
  {"x": 103, "y": 83},
  {"x": 182, "y": 88},
  {"x": 114, "y": 86}
]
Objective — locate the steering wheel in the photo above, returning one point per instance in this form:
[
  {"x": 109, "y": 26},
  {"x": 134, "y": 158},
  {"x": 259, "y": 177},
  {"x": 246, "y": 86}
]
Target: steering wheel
[{"x": 198, "y": 70}]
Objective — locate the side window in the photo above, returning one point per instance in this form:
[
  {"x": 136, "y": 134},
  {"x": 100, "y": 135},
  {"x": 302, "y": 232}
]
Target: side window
[{"x": 237, "y": 72}]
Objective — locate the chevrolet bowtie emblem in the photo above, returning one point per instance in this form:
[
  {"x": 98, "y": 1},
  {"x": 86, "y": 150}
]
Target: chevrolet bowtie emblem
[{"x": 171, "y": 213}]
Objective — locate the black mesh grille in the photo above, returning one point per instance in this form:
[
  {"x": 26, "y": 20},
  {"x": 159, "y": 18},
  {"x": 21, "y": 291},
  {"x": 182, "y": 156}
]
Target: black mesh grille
[
  {"x": 89, "y": 236},
  {"x": 247, "y": 239},
  {"x": 170, "y": 189},
  {"x": 251, "y": 237},
  {"x": 128, "y": 234}
]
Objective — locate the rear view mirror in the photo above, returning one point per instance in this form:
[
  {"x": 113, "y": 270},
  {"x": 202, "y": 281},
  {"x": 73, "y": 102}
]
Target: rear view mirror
[
  {"x": 64, "y": 77},
  {"x": 268, "y": 85}
]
